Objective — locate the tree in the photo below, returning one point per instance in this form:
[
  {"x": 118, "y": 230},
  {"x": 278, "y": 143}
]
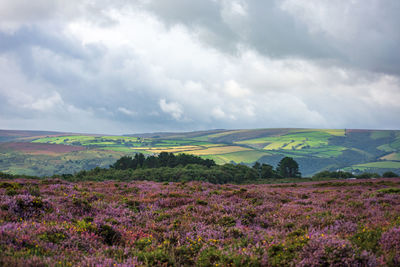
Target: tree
[
  {"x": 389, "y": 174},
  {"x": 123, "y": 163},
  {"x": 288, "y": 168},
  {"x": 267, "y": 171},
  {"x": 257, "y": 168},
  {"x": 139, "y": 158}
]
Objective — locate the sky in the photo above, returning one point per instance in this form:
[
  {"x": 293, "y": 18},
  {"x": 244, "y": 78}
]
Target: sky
[{"x": 120, "y": 67}]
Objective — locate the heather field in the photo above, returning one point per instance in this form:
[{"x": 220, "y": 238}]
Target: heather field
[{"x": 333, "y": 223}]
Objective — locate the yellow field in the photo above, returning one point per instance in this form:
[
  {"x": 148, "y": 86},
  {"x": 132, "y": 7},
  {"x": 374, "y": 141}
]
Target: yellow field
[
  {"x": 218, "y": 150},
  {"x": 172, "y": 149},
  {"x": 212, "y": 145},
  {"x": 393, "y": 156},
  {"x": 213, "y": 149},
  {"x": 336, "y": 132}
]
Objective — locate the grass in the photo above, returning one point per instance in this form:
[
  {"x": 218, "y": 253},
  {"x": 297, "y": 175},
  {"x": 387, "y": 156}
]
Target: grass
[
  {"x": 225, "y": 133},
  {"x": 218, "y": 150},
  {"x": 239, "y": 157},
  {"x": 391, "y": 190},
  {"x": 386, "y": 148},
  {"x": 378, "y": 164},
  {"x": 293, "y": 140},
  {"x": 380, "y": 134},
  {"x": 335, "y": 132},
  {"x": 392, "y": 156},
  {"x": 172, "y": 149},
  {"x": 323, "y": 152},
  {"x": 396, "y": 144},
  {"x": 85, "y": 140},
  {"x": 121, "y": 149}
]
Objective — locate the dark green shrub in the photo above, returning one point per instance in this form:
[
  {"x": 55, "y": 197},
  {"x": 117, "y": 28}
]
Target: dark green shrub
[
  {"x": 248, "y": 217},
  {"x": 10, "y": 185},
  {"x": 236, "y": 232},
  {"x": 10, "y": 191},
  {"x": 233, "y": 259},
  {"x": 367, "y": 175},
  {"x": 389, "y": 175},
  {"x": 53, "y": 236},
  {"x": 227, "y": 221},
  {"x": 82, "y": 204},
  {"x": 162, "y": 217},
  {"x": 185, "y": 255},
  {"x": 34, "y": 190},
  {"x": 209, "y": 257},
  {"x": 201, "y": 202},
  {"x": 392, "y": 190},
  {"x": 109, "y": 234},
  {"x": 133, "y": 205},
  {"x": 156, "y": 257},
  {"x": 367, "y": 239}
]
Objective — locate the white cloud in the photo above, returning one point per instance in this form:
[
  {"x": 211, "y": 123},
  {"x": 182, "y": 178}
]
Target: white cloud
[
  {"x": 218, "y": 113},
  {"x": 127, "y": 111},
  {"x": 172, "y": 108},
  {"x": 46, "y": 104},
  {"x": 233, "y": 89}
]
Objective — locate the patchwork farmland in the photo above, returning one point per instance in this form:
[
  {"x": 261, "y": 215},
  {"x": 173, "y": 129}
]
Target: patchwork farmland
[{"x": 46, "y": 153}]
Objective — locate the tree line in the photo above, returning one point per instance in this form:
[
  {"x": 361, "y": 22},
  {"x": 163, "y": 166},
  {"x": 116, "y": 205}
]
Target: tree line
[
  {"x": 347, "y": 175},
  {"x": 167, "y": 167},
  {"x": 287, "y": 167},
  {"x": 164, "y": 159}
]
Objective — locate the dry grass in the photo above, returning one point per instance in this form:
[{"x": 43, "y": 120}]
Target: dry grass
[{"x": 219, "y": 150}]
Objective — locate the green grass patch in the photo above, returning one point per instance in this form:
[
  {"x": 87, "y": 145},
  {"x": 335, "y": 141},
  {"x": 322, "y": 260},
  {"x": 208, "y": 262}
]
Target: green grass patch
[
  {"x": 380, "y": 134},
  {"x": 378, "y": 164},
  {"x": 295, "y": 140},
  {"x": 386, "y": 148},
  {"x": 392, "y": 190},
  {"x": 238, "y": 157}
]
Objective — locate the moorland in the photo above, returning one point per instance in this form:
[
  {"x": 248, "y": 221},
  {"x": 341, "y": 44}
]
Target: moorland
[{"x": 53, "y": 222}]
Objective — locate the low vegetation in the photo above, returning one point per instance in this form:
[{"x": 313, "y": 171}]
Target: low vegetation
[{"x": 53, "y": 222}]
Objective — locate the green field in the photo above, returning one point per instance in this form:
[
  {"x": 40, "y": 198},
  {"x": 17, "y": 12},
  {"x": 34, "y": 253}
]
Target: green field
[
  {"x": 314, "y": 149},
  {"x": 380, "y": 134},
  {"x": 292, "y": 141},
  {"x": 237, "y": 157},
  {"x": 378, "y": 164}
]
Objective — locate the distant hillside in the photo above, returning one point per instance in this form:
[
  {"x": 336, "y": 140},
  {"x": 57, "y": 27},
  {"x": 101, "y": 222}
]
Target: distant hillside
[
  {"x": 13, "y": 135},
  {"x": 313, "y": 149}
]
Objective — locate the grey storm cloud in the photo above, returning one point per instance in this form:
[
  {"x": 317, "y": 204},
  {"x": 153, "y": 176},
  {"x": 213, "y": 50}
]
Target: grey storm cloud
[
  {"x": 361, "y": 34},
  {"x": 147, "y": 65}
]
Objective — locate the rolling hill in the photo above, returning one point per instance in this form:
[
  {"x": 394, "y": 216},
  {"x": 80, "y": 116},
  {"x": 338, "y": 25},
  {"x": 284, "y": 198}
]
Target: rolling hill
[{"x": 47, "y": 153}]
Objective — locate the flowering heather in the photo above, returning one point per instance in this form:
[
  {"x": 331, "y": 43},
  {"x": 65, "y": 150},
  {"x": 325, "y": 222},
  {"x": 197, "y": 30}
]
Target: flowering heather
[{"x": 337, "y": 223}]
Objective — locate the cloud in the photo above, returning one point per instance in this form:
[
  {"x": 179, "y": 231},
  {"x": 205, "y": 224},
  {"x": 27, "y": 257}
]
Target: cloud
[
  {"x": 122, "y": 67},
  {"x": 172, "y": 108},
  {"x": 46, "y": 103},
  {"x": 127, "y": 111}
]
